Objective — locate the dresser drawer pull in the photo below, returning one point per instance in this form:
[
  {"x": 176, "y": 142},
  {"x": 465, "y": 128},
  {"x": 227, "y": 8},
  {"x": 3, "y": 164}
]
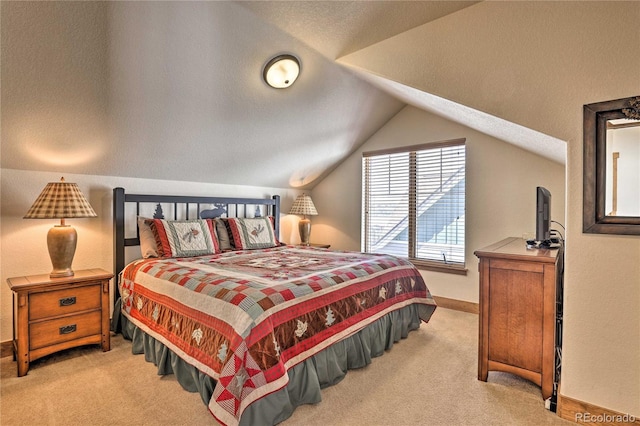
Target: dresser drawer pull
[
  {"x": 67, "y": 329},
  {"x": 68, "y": 301}
]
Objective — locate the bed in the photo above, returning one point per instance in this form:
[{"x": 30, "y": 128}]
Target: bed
[{"x": 255, "y": 326}]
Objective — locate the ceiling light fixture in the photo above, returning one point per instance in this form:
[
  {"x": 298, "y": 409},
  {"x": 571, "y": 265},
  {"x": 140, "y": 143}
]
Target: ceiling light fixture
[{"x": 281, "y": 71}]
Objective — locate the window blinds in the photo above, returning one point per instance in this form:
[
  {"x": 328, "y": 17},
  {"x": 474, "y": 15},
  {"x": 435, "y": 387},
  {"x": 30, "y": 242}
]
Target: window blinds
[{"x": 414, "y": 202}]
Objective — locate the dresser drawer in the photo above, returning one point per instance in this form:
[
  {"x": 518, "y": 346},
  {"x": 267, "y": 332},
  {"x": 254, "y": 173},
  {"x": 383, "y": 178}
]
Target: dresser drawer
[
  {"x": 66, "y": 301},
  {"x": 64, "y": 329}
]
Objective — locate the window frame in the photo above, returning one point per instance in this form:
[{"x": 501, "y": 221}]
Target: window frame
[{"x": 420, "y": 263}]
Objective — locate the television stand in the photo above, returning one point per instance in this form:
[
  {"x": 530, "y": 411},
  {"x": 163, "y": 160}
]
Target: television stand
[{"x": 519, "y": 293}]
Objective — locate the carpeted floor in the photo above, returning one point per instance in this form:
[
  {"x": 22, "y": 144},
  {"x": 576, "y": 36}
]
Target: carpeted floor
[{"x": 428, "y": 379}]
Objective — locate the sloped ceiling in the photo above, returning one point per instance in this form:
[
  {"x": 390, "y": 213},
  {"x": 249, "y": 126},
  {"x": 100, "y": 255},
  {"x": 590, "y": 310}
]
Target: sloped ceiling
[
  {"x": 173, "y": 90},
  {"x": 337, "y": 28}
]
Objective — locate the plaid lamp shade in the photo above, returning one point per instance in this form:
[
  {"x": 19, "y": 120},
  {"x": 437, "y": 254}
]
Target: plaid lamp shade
[
  {"x": 303, "y": 205},
  {"x": 60, "y": 200}
]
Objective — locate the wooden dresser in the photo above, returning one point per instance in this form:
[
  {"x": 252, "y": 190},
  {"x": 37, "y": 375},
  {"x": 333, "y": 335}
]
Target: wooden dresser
[
  {"x": 52, "y": 314},
  {"x": 518, "y": 311}
]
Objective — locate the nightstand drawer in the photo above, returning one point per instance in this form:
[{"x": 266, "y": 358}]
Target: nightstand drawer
[
  {"x": 67, "y": 301},
  {"x": 60, "y": 330}
]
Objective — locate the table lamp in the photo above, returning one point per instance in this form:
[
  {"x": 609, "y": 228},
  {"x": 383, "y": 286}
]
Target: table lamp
[
  {"x": 304, "y": 205},
  {"x": 61, "y": 200}
]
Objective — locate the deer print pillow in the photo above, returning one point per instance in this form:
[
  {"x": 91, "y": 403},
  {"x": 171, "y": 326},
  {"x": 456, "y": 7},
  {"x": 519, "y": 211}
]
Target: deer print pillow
[
  {"x": 250, "y": 233},
  {"x": 184, "y": 238}
]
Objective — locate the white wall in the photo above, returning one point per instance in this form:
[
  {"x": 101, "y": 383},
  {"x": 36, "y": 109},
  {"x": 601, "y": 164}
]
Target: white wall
[
  {"x": 23, "y": 246},
  {"x": 501, "y": 192}
]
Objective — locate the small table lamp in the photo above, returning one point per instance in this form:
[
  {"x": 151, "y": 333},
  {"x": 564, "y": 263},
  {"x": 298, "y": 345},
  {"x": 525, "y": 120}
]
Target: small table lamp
[
  {"x": 304, "y": 205},
  {"x": 61, "y": 200}
]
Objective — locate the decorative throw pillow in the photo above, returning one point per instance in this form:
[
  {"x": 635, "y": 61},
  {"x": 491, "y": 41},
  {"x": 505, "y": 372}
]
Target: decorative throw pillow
[
  {"x": 148, "y": 246},
  {"x": 222, "y": 234},
  {"x": 184, "y": 238},
  {"x": 250, "y": 233}
]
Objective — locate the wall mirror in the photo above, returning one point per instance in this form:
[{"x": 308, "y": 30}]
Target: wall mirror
[{"x": 612, "y": 167}]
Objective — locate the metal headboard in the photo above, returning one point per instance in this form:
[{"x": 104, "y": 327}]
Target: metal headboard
[{"x": 183, "y": 205}]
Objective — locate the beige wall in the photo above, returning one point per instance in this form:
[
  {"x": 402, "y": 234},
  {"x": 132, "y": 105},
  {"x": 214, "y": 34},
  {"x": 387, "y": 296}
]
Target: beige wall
[
  {"x": 536, "y": 64},
  {"x": 23, "y": 247},
  {"x": 532, "y": 63},
  {"x": 501, "y": 182}
]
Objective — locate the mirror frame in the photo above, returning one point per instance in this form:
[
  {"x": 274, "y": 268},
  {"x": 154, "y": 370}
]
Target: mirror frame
[{"x": 594, "y": 218}]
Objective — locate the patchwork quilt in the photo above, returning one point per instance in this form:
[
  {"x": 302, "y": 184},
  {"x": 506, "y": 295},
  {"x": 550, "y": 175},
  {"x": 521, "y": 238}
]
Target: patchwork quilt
[{"x": 246, "y": 317}]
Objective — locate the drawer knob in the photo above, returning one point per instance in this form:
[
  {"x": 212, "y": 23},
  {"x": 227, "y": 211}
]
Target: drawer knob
[
  {"x": 67, "y": 329},
  {"x": 68, "y": 301}
]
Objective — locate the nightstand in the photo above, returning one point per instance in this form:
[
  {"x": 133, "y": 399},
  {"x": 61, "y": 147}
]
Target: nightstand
[
  {"x": 52, "y": 314},
  {"x": 325, "y": 246}
]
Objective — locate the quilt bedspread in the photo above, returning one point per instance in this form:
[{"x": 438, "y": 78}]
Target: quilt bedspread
[{"x": 245, "y": 317}]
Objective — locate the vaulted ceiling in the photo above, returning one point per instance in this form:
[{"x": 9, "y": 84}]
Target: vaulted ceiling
[
  {"x": 337, "y": 28},
  {"x": 173, "y": 90}
]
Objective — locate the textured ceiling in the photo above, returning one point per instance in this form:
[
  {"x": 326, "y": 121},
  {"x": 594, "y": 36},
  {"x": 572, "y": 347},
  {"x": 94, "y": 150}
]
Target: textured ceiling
[
  {"x": 523, "y": 137},
  {"x": 337, "y": 28},
  {"x": 173, "y": 90},
  {"x": 344, "y": 30}
]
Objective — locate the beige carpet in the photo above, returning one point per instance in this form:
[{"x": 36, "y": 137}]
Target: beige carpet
[{"x": 427, "y": 379}]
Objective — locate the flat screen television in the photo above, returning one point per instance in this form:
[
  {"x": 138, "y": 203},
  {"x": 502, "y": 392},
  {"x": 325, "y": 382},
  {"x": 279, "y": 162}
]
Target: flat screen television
[{"x": 543, "y": 214}]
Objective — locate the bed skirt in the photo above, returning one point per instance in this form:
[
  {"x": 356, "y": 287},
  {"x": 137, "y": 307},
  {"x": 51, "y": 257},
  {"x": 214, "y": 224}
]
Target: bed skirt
[{"x": 306, "y": 379}]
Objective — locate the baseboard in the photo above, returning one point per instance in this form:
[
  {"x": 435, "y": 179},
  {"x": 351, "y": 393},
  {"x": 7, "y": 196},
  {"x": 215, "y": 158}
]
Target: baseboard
[
  {"x": 457, "y": 305},
  {"x": 6, "y": 348},
  {"x": 583, "y": 412}
]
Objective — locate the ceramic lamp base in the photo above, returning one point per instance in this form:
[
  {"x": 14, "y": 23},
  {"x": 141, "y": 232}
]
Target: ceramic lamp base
[
  {"x": 61, "y": 241},
  {"x": 304, "y": 226}
]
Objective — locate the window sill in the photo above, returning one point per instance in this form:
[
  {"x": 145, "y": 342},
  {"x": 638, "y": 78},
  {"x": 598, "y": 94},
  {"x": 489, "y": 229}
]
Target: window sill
[{"x": 439, "y": 267}]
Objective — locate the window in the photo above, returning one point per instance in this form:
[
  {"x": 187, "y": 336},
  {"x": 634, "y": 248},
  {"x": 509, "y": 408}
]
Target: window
[{"x": 414, "y": 204}]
